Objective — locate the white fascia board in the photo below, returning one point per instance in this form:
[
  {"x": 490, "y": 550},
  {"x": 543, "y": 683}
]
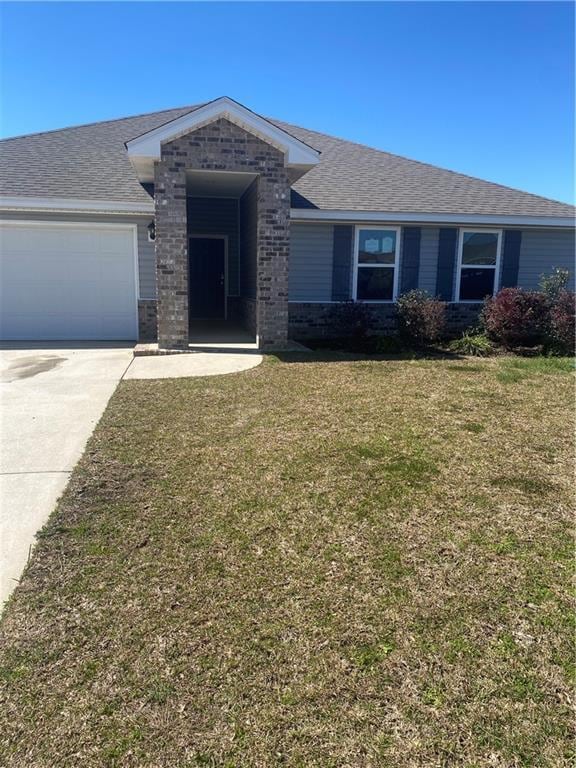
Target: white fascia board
[
  {"x": 354, "y": 217},
  {"x": 296, "y": 151},
  {"x": 64, "y": 204}
]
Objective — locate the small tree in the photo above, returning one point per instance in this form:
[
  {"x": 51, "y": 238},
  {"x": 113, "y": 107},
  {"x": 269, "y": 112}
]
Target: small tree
[{"x": 422, "y": 318}]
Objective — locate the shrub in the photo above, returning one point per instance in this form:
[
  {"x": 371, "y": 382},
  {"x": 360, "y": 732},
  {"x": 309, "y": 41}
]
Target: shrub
[
  {"x": 553, "y": 284},
  {"x": 516, "y": 318},
  {"x": 562, "y": 324},
  {"x": 422, "y": 319},
  {"x": 349, "y": 319},
  {"x": 472, "y": 343}
]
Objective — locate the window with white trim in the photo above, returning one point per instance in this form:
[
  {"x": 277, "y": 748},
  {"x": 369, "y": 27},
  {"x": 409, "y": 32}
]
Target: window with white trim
[
  {"x": 376, "y": 263},
  {"x": 478, "y": 264}
]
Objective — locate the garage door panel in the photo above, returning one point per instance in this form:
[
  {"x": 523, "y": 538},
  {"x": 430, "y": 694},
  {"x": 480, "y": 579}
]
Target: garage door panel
[
  {"x": 112, "y": 242},
  {"x": 66, "y": 282}
]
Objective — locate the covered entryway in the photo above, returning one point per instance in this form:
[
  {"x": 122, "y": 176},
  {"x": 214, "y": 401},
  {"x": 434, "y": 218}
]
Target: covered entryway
[
  {"x": 67, "y": 281},
  {"x": 222, "y": 144}
]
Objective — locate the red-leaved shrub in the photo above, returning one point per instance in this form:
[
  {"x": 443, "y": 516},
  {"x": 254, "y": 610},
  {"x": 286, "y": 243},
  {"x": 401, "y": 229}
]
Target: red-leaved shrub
[
  {"x": 516, "y": 318},
  {"x": 422, "y": 319},
  {"x": 563, "y": 322}
]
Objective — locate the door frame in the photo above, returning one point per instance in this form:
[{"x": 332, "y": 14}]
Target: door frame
[{"x": 197, "y": 236}]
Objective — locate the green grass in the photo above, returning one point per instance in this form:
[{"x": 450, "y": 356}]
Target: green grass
[{"x": 321, "y": 564}]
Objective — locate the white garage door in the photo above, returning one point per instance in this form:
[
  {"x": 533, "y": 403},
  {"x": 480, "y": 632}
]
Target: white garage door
[{"x": 63, "y": 281}]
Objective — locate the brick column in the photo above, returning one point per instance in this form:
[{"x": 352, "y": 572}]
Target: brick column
[
  {"x": 272, "y": 259},
  {"x": 171, "y": 251}
]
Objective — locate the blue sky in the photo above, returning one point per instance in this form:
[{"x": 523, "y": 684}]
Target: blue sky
[{"x": 482, "y": 88}]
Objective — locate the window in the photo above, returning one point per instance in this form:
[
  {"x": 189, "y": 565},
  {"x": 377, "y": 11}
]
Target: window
[
  {"x": 375, "y": 276},
  {"x": 478, "y": 264}
]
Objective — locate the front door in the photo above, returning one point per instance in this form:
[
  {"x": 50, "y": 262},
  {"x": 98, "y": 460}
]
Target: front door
[{"x": 207, "y": 269}]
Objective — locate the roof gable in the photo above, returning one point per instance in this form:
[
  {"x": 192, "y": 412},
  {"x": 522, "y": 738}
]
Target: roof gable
[{"x": 144, "y": 150}]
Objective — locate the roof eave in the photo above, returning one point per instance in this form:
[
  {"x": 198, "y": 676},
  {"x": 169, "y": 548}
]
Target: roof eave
[
  {"x": 74, "y": 205},
  {"x": 406, "y": 217}
]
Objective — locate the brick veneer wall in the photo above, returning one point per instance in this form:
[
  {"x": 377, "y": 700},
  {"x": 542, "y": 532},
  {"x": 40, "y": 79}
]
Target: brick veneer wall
[
  {"x": 462, "y": 316},
  {"x": 147, "y": 320},
  {"x": 222, "y": 146},
  {"x": 311, "y": 320}
]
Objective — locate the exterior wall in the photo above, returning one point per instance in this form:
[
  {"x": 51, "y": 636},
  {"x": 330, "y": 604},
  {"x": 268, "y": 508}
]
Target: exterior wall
[
  {"x": 147, "y": 320},
  {"x": 428, "y": 259},
  {"x": 247, "y": 315},
  {"x": 543, "y": 249},
  {"x": 218, "y": 216},
  {"x": 222, "y": 146},
  {"x": 171, "y": 249},
  {"x": 540, "y": 251},
  {"x": 310, "y": 275},
  {"x": 310, "y": 279},
  {"x": 309, "y": 320},
  {"x": 146, "y": 262}
]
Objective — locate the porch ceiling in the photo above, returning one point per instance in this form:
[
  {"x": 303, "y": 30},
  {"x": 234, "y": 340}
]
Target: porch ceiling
[{"x": 217, "y": 183}]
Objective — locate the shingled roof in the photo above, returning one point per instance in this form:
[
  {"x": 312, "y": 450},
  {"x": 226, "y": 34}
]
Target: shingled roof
[{"x": 90, "y": 162}]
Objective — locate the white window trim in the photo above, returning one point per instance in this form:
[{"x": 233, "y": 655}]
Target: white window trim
[
  {"x": 495, "y": 267},
  {"x": 394, "y": 266}
]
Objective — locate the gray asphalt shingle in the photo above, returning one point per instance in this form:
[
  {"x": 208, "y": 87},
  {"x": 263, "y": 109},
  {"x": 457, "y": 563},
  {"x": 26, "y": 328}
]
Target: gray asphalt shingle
[{"x": 90, "y": 162}]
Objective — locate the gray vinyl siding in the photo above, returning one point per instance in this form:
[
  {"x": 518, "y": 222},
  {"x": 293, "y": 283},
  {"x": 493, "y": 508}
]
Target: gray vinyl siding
[
  {"x": 146, "y": 262},
  {"x": 146, "y": 255},
  {"x": 542, "y": 250},
  {"x": 311, "y": 255},
  {"x": 428, "y": 260},
  {"x": 218, "y": 216}
]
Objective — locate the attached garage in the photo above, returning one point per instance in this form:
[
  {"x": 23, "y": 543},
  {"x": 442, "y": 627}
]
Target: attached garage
[{"x": 68, "y": 281}]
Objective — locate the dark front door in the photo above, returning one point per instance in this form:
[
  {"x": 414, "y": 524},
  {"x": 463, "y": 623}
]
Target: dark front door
[{"x": 207, "y": 261}]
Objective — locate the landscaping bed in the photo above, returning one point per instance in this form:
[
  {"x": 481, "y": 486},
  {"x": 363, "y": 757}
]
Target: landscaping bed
[{"x": 336, "y": 562}]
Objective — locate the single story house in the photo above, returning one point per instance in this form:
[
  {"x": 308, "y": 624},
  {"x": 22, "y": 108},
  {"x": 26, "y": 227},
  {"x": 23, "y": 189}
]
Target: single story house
[{"x": 138, "y": 227}]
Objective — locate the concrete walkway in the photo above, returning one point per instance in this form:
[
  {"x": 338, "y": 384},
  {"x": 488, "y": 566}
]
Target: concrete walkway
[
  {"x": 51, "y": 398},
  {"x": 191, "y": 364}
]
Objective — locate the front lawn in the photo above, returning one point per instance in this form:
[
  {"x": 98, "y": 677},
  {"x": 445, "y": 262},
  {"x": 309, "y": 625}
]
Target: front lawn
[{"x": 343, "y": 563}]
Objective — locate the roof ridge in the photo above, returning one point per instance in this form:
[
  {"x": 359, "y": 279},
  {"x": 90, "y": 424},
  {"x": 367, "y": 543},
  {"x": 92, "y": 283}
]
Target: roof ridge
[
  {"x": 427, "y": 165},
  {"x": 97, "y": 122}
]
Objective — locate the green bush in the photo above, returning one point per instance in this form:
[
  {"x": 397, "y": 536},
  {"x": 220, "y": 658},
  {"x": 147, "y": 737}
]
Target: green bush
[
  {"x": 473, "y": 343},
  {"x": 421, "y": 318},
  {"x": 553, "y": 284}
]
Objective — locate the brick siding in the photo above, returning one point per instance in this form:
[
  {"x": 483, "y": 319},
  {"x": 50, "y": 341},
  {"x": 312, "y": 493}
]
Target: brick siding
[{"x": 311, "y": 320}]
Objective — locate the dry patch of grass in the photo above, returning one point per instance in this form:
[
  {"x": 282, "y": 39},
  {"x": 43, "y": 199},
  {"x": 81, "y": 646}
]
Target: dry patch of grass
[{"x": 337, "y": 563}]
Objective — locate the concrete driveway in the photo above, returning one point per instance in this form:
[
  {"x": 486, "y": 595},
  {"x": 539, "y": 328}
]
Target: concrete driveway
[{"x": 51, "y": 398}]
